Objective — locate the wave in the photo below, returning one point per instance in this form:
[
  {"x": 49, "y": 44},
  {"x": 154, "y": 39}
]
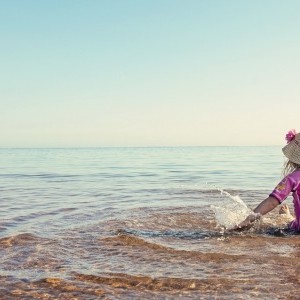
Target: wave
[
  {"x": 179, "y": 234},
  {"x": 132, "y": 241},
  {"x": 20, "y": 239},
  {"x": 136, "y": 286},
  {"x": 40, "y": 175},
  {"x": 122, "y": 280}
]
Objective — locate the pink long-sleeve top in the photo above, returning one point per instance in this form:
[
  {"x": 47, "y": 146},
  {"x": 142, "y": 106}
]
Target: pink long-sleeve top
[{"x": 290, "y": 184}]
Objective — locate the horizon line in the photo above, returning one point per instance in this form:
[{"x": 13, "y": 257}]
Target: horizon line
[{"x": 98, "y": 147}]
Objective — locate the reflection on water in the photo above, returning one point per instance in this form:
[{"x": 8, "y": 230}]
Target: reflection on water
[{"x": 94, "y": 224}]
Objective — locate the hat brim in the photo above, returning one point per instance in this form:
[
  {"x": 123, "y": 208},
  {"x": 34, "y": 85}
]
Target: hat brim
[{"x": 292, "y": 151}]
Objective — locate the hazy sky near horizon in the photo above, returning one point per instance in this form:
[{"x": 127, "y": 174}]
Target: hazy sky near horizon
[{"x": 148, "y": 73}]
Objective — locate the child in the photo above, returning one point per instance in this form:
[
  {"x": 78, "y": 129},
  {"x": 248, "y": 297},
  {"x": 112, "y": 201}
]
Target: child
[{"x": 289, "y": 184}]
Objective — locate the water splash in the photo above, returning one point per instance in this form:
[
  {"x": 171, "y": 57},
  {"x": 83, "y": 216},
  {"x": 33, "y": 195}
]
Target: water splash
[{"x": 232, "y": 212}]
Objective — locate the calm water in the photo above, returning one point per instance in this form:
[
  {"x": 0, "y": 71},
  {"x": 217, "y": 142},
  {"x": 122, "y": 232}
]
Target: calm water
[{"x": 141, "y": 223}]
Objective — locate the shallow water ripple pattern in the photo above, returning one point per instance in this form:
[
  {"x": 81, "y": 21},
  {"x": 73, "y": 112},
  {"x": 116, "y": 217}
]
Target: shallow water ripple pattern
[{"x": 137, "y": 223}]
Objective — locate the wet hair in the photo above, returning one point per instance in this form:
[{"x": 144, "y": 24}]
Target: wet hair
[{"x": 290, "y": 167}]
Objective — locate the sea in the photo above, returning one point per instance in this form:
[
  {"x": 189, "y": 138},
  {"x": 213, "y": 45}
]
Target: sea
[{"x": 143, "y": 223}]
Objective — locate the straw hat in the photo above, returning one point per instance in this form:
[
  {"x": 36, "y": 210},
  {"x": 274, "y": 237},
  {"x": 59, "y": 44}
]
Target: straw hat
[{"x": 292, "y": 149}]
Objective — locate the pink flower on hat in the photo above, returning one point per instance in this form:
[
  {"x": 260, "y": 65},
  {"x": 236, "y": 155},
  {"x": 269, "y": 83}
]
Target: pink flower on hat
[{"x": 290, "y": 135}]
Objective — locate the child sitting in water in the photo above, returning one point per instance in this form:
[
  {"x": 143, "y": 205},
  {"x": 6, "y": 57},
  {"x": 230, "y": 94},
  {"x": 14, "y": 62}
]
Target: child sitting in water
[{"x": 289, "y": 184}]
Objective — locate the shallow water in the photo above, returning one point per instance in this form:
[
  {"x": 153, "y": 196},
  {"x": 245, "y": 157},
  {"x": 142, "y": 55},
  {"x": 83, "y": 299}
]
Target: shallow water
[{"x": 141, "y": 223}]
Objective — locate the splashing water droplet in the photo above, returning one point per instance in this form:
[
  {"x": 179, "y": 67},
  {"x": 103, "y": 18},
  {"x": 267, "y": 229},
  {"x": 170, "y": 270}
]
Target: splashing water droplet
[{"x": 231, "y": 212}]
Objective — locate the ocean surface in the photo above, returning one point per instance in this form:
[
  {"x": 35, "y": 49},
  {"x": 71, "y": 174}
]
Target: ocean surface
[{"x": 142, "y": 223}]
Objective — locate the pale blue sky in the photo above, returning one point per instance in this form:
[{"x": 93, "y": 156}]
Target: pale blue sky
[{"x": 148, "y": 72}]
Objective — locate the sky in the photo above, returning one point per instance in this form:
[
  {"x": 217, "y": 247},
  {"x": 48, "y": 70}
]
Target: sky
[{"x": 94, "y": 73}]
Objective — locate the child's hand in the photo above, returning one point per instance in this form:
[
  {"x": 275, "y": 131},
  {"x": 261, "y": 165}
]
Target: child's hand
[{"x": 247, "y": 223}]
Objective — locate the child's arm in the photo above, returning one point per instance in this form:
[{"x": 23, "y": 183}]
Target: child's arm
[
  {"x": 267, "y": 205},
  {"x": 263, "y": 208}
]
